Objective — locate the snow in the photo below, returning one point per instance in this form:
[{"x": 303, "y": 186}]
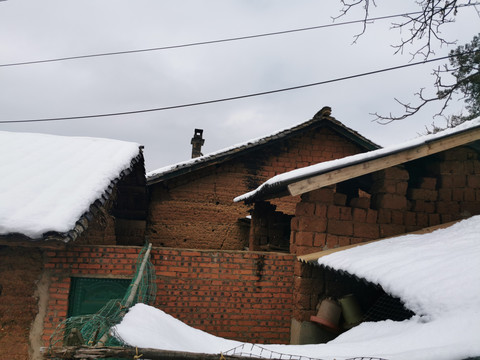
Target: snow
[
  {"x": 151, "y": 175},
  {"x": 204, "y": 158},
  {"x": 48, "y": 181},
  {"x": 437, "y": 275},
  {"x": 326, "y": 166}
]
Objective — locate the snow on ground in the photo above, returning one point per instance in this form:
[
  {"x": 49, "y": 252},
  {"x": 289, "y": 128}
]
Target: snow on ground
[
  {"x": 47, "y": 182},
  {"x": 437, "y": 275}
]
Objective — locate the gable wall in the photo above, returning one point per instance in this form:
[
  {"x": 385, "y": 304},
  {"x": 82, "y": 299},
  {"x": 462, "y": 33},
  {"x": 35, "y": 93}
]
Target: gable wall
[
  {"x": 426, "y": 192},
  {"x": 196, "y": 210},
  {"x": 238, "y": 295}
]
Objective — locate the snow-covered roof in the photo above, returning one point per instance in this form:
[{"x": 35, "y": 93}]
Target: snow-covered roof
[
  {"x": 278, "y": 185},
  {"x": 48, "y": 182},
  {"x": 322, "y": 118},
  {"x": 437, "y": 275}
]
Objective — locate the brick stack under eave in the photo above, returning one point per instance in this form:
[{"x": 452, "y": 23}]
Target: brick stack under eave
[
  {"x": 427, "y": 192},
  {"x": 430, "y": 191}
]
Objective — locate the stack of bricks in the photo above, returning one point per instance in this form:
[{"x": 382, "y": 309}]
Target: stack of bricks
[
  {"x": 238, "y": 295},
  {"x": 431, "y": 191},
  {"x": 308, "y": 285},
  {"x": 389, "y": 191},
  {"x": 459, "y": 183},
  {"x": 324, "y": 221}
]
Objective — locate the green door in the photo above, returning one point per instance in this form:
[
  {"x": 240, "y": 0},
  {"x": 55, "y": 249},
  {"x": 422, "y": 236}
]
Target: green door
[{"x": 88, "y": 295}]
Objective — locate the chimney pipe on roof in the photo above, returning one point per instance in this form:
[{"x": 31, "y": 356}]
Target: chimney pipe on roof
[{"x": 197, "y": 142}]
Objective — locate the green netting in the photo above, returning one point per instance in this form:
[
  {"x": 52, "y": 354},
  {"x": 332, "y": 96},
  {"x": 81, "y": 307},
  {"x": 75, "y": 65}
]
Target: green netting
[{"x": 94, "y": 329}]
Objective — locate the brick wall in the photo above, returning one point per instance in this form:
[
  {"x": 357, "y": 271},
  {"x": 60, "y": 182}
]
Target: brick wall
[
  {"x": 196, "y": 210},
  {"x": 422, "y": 193},
  {"x": 427, "y": 192},
  {"x": 20, "y": 269},
  {"x": 238, "y": 295}
]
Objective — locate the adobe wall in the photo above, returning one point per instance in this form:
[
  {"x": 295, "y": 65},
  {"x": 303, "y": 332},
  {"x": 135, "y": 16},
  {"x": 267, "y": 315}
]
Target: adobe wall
[
  {"x": 422, "y": 193},
  {"x": 238, "y": 295},
  {"x": 196, "y": 210},
  {"x": 20, "y": 270}
]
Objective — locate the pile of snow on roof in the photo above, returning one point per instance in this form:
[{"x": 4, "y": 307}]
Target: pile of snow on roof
[{"x": 49, "y": 181}]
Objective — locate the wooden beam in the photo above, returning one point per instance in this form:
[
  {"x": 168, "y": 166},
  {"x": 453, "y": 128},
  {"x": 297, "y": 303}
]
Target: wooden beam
[
  {"x": 50, "y": 244},
  {"x": 369, "y": 166},
  {"x": 85, "y": 352}
]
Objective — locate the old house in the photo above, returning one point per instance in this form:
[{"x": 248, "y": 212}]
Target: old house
[
  {"x": 72, "y": 222},
  {"x": 191, "y": 202},
  {"x": 426, "y": 182},
  {"x": 63, "y": 202}
]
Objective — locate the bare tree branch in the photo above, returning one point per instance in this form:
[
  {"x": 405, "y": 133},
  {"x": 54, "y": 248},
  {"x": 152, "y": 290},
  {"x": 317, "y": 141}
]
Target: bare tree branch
[
  {"x": 444, "y": 94},
  {"x": 424, "y": 33},
  {"x": 424, "y": 29},
  {"x": 347, "y": 6}
]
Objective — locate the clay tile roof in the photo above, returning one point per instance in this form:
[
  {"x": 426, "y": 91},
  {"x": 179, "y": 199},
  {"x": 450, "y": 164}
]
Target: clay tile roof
[
  {"x": 321, "y": 118},
  {"x": 334, "y": 171},
  {"x": 51, "y": 186}
]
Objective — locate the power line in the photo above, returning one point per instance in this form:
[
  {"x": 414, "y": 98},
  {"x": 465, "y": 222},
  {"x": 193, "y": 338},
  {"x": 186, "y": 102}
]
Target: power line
[
  {"x": 206, "y": 42},
  {"x": 122, "y": 113},
  {"x": 209, "y": 42}
]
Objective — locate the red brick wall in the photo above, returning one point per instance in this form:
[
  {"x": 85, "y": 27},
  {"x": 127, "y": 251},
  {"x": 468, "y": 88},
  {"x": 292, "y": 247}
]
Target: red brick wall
[
  {"x": 20, "y": 269},
  {"x": 431, "y": 191},
  {"x": 196, "y": 210},
  {"x": 427, "y": 192},
  {"x": 238, "y": 295}
]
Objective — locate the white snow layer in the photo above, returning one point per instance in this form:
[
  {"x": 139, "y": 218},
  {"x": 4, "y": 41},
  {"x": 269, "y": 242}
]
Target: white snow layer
[
  {"x": 437, "y": 275},
  {"x": 47, "y": 182},
  {"x": 326, "y": 166}
]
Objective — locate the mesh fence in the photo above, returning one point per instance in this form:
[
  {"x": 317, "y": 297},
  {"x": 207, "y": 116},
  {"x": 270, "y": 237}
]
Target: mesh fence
[
  {"x": 260, "y": 352},
  {"x": 92, "y": 330}
]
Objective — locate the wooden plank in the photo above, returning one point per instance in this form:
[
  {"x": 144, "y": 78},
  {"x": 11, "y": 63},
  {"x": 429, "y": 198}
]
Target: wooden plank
[
  {"x": 85, "y": 352},
  {"x": 369, "y": 166},
  {"x": 49, "y": 244}
]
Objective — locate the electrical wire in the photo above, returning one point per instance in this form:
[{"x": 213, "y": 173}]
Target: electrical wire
[
  {"x": 122, "y": 113},
  {"x": 211, "y": 41}
]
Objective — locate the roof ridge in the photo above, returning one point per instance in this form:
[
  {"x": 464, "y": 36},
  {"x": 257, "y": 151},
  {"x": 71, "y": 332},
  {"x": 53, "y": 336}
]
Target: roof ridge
[{"x": 323, "y": 115}]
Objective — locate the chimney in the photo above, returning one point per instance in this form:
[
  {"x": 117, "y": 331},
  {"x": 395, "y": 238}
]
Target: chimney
[{"x": 197, "y": 142}]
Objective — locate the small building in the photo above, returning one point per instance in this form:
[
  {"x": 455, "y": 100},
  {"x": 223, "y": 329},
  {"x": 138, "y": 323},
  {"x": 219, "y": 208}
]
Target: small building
[
  {"x": 191, "y": 202},
  {"x": 428, "y": 181},
  {"x": 67, "y": 195}
]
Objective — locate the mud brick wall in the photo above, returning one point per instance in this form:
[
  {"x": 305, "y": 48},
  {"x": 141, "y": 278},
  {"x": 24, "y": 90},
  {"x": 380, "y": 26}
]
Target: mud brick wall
[
  {"x": 427, "y": 192},
  {"x": 434, "y": 190},
  {"x": 239, "y": 295},
  {"x": 20, "y": 270},
  {"x": 196, "y": 210}
]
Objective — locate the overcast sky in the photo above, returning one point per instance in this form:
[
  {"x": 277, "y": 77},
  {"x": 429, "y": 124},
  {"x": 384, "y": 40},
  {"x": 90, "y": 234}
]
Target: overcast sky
[{"x": 36, "y": 30}]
